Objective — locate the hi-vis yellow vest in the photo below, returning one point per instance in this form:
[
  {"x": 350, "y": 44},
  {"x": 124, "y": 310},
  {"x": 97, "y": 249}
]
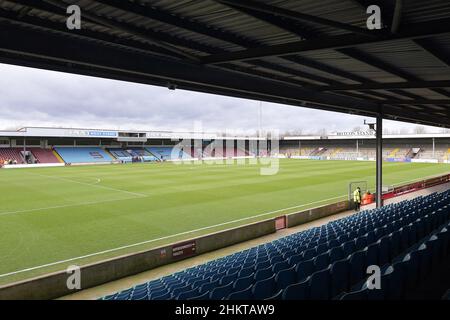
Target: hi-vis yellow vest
[{"x": 356, "y": 196}]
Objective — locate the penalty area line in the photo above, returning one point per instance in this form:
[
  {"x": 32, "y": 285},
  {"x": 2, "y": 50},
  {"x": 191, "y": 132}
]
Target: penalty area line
[{"x": 96, "y": 184}]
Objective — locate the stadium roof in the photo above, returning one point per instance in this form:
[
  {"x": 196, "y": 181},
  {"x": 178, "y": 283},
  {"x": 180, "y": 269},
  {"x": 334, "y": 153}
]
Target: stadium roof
[
  {"x": 58, "y": 132},
  {"x": 317, "y": 54},
  {"x": 41, "y": 132}
]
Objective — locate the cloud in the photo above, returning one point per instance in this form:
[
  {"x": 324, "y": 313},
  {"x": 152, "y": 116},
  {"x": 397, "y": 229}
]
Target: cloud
[{"x": 32, "y": 97}]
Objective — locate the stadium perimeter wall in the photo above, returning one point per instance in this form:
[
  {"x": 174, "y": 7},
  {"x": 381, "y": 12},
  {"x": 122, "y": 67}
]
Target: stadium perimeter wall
[
  {"x": 54, "y": 285},
  {"x": 309, "y": 215}
]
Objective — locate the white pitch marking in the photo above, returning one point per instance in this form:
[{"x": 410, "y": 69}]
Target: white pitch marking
[
  {"x": 80, "y": 204},
  {"x": 162, "y": 238},
  {"x": 92, "y": 184},
  {"x": 158, "y": 239}
]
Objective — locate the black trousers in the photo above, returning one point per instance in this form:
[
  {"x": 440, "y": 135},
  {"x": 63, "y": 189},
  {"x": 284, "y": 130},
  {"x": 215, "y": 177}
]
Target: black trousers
[{"x": 357, "y": 206}]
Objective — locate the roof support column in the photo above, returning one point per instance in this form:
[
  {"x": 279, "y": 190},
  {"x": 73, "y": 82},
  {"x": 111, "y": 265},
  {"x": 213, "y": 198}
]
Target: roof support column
[{"x": 379, "y": 160}]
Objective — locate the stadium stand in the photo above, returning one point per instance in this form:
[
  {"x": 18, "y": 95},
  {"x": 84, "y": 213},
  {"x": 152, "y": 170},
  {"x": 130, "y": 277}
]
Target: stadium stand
[
  {"x": 83, "y": 154},
  {"x": 407, "y": 240},
  {"x": 344, "y": 152},
  {"x": 44, "y": 155},
  {"x": 228, "y": 152},
  {"x": 168, "y": 153},
  {"x": 11, "y": 154},
  {"x": 143, "y": 153},
  {"x": 121, "y": 154}
]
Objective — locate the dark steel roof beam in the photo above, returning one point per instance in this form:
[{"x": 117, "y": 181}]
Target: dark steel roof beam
[
  {"x": 30, "y": 48},
  {"x": 298, "y": 16},
  {"x": 34, "y": 43},
  {"x": 84, "y": 33},
  {"x": 434, "y": 49},
  {"x": 386, "y": 67},
  {"x": 152, "y": 13},
  {"x": 414, "y": 31},
  {"x": 283, "y": 23},
  {"x": 397, "y": 16},
  {"x": 388, "y": 86},
  {"x": 417, "y": 102},
  {"x": 127, "y": 29}
]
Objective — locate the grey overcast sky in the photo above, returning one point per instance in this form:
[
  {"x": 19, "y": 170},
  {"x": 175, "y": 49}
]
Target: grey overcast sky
[{"x": 32, "y": 97}]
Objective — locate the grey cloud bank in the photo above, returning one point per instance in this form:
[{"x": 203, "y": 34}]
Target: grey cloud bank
[{"x": 31, "y": 97}]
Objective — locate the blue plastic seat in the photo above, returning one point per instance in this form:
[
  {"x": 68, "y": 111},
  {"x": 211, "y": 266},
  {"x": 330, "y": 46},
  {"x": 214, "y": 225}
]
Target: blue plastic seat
[
  {"x": 228, "y": 278},
  {"x": 444, "y": 235},
  {"x": 295, "y": 259},
  {"x": 277, "y": 296},
  {"x": 263, "y": 274},
  {"x": 384, "y": 250},
  {"x": 372, "y": 254},
  {"x": 245, "y": 272},
  {"x": 280, "y": 266},
  {"x": 309, "y": 254},
  {"x": 395, "y": 245},
  {"x": 424, "y": 254},
  {"x": 140, "y": 295},
  {"x": 165, "y": 296},
  {"x": 199, "y": 283},
  {"x": 320, "y": 285},
  {"x": 412, "y": 234},
  {"x": 244, "y": 282},
  {"x": 263, "y": 265},
  {"x": 394, "y": 277},
  {"x": 276, "y": 259},
  {"x": 355, "y": 295},
  {"x": 340, "y": 273},
  {"x": 304, "y": 269},
  {"x": 221, "y": 292},
  {"x": 357, "y": 266},
  {"x": 264, "y": 289},
  {"x": 335, "y": 254},
  {"x": 161, "y": 292},
  {"x": 209, "y": 286},
  {"x": 286, "y": 277},
  {"x": 370, "y": 237},
  {"x": 434, "y": 244},
  {"x": 321, "y": 261},
  {"x": 298, "y": 291},
  {"x": 348, "y": 247},
  {"x": 177, "y": 291},
  {"x": 360, "y": 243},
  {"x": 188, "y": 294},
  {"x": 245, "y": 294},
  {"x": 233, "y": 270},
  {"x": 321, "y": 248},
  {"x": 204, "y": 296}
]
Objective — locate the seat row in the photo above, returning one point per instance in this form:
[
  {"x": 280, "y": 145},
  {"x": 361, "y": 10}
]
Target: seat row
[{"x": 318, "y": 263}]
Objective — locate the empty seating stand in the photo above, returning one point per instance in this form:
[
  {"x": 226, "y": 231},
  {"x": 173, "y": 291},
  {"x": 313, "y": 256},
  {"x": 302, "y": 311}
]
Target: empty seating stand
[
  {"x": 83, "y": 154},
  {"x": 168, "y": 153},
  {"x": 11, "y": 154},
  {"x": 44, "y": 155},
  {"x": 406, "y": 240},
  {"x": 121, "y": 154}
]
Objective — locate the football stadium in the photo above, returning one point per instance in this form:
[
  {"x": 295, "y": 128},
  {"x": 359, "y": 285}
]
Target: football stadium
[{"x": 119, "y": 213}]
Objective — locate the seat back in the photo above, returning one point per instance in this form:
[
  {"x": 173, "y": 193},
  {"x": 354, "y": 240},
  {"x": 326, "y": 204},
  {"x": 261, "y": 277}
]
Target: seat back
[{"x": 264, "y": 289}]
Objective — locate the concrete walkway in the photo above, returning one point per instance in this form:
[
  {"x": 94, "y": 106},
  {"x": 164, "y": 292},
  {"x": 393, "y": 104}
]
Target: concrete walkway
[{"x": 125, "y": 283}]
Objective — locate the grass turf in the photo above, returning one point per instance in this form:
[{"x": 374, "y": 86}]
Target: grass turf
[{"x": 55, "y": 214}]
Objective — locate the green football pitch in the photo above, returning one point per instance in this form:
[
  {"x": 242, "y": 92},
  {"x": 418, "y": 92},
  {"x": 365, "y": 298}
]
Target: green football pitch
[{"x": 54, "y": 217}]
